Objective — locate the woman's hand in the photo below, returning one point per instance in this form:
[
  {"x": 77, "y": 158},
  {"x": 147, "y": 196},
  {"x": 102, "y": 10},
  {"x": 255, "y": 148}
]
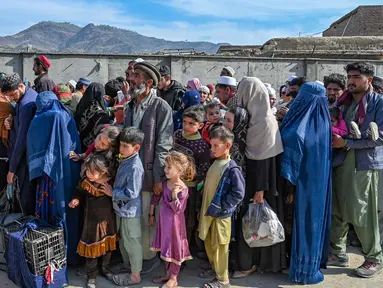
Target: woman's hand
[
  {"x": 74, "y": 203},
  {"x": 258, "y": 197},
  {"x": 74, "y": 156}
]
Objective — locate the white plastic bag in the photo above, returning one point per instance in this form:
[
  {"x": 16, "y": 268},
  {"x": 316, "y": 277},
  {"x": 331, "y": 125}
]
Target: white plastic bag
[{"x": 261, "y": 226}]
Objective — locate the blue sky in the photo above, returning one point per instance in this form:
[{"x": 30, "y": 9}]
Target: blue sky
[{"x": 241, "y": 22}]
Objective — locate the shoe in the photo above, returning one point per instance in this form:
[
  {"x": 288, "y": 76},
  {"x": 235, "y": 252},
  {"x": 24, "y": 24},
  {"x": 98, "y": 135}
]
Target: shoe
[
  {"x": 354, "y": 131},
  {"x": 373, "y": 131},
  {"x": 150, "y": 265},
  {"x": 368, "y": 269},
  {"x": 91, "y": 283},
  {"x": 338, "y": 261}
]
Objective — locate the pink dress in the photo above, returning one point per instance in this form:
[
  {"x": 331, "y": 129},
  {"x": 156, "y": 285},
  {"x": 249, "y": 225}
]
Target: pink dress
[{"x": 171, "y": 238}]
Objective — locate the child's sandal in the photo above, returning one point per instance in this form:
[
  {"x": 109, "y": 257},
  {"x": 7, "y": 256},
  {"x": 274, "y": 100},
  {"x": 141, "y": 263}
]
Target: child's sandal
[
  {"x": 160, "y": 279},
  {"x": 216, "y": 284},
  {"x": 170, "y": 284}
]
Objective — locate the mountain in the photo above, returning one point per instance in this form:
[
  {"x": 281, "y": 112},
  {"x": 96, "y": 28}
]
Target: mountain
[{"x": 50, "y": 36}]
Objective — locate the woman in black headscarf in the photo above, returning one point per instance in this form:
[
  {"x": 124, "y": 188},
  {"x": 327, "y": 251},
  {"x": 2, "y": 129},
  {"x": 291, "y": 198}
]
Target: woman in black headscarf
[{"x": 90, "y": 113}]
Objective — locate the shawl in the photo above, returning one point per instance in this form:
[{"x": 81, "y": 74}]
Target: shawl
[
  {"x": 6, "y": 109},
  {"x": 263, "y": 140},
  {"x": 306, "y": 135},
  {"x": 194, "y": 84},
  {"x": 346, "y": 99},
  {"x": 90, "y": 113},
  {"x": 237, "y": 151},
  {"x": 51, "y": 136}
]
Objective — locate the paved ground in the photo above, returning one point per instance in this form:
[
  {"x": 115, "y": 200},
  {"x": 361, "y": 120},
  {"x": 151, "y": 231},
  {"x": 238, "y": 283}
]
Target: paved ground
[{"x": 334, "y": 278}]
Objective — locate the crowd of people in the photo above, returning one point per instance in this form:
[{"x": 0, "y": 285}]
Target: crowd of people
[{"x": 168, "y": 172}]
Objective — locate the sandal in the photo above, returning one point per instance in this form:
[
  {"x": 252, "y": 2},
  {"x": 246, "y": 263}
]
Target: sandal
[
  {"x": 123, "y": 280},
  {"x": 107, "y": 274},
  {"x": 91, "y": 283},
  {"x": 243, "y": 274},
  {"x": 171, "y": 283},
  {"x": 161, "y": 279},
  {"x": 207, "y": 274},
  {"x": 216, "y": 284}
]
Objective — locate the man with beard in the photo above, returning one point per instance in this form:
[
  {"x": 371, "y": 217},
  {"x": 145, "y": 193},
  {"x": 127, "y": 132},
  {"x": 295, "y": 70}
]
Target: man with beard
[
  {"x": 25, "y": 110},
  {"x": 42, "y": 82},
  {"x": 170, "y": 90},
  {"x": 226, "y": 90},
  {"x": 154, "y": 117},
  {"x": 355, "y": 181},
  {"x": 335, "y": 85},
  {"x": 292, "y": 89}
]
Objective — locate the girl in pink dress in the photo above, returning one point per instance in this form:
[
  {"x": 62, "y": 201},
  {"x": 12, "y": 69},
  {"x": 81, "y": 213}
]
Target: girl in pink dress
[{"x": 171, "y": 238}]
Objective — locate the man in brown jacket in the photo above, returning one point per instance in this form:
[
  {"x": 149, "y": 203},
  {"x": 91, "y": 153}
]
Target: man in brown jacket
[{"x": 154, "y": 117}]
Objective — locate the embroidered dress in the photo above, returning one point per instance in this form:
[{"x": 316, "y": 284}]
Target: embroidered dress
[
  {"x": 99, "y": 234},
  {"x": 45, "y": 194},
  {"x": 170, "y": 239}
]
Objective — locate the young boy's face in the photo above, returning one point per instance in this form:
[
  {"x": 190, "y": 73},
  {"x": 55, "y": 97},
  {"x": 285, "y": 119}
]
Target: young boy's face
[
  {"x": 191, "y": 126},
  {"x": 219, "y": 148},
  {"x": 213, "y": 115},
  {"x": 128, "y": 149}
]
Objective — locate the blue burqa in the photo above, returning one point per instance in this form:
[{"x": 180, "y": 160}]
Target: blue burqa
[
  {"x": 306, "y": 163},
  {"x": 51, "y": 136}
]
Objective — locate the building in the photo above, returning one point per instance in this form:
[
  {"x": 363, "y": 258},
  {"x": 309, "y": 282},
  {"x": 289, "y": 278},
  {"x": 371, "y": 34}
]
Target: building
[{"x": 363, "y": 21}]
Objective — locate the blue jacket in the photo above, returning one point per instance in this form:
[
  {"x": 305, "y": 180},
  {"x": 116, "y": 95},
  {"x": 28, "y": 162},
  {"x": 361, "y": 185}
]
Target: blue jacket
[
  {"x": 127, "y": 188},
  {"x": 230, "y": 192},
  {"x": 368, "y": 153}
]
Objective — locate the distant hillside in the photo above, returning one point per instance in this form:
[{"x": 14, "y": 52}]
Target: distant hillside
[{"x": 66, "y": 37}]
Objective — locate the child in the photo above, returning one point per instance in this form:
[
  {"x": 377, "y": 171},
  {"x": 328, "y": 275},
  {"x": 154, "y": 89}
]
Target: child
[
  {"x": 204, "y": 93},
  {"x": 339, "y": 126},
  {"x": 213, "y": 117},
  {"x": 170, "y": 239},
  {"x": 189, "y": 142},
  {"x": 99, "y": 234},
  {"x": 224, "y": 189},
  {"x": 106, "y": 141},
  {"x": 236, "y": 120},
  {"x": 127, "y": 204},
  {"x": 189, "y": 99}
]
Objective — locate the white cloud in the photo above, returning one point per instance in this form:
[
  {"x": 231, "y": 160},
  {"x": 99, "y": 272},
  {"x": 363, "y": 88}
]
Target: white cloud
[
  {"x": 260, "y": 10},
  {"x": 20, "y": 14}
]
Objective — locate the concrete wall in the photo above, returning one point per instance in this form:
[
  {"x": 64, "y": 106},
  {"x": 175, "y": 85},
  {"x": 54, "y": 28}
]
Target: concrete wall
[{"x": 101, "y": 68}]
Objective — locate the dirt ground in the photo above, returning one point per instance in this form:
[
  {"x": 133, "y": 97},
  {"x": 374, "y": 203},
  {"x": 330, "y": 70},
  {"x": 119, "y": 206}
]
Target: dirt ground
[{"x": 334, "y": 277}]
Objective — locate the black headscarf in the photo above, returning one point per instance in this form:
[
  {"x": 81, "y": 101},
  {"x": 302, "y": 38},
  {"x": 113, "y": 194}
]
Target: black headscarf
[
  {"x": 90, "y": 113},
  {"x": 237, "y": 151}
]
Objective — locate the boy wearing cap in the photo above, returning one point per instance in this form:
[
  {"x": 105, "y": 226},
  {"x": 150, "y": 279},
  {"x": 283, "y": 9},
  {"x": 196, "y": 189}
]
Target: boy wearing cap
[{"x": 43, "y": 83}]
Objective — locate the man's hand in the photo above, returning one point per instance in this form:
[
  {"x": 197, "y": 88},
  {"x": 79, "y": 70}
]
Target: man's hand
[
  {"x": 107, "y": 189},
  {"x": 8, "y": 122},
  {"x": 10, "y": 177},
  {"x": 338, "y": 141},
  {"x": 74, "y": 203},
  {"x": 157, "y": 188}
]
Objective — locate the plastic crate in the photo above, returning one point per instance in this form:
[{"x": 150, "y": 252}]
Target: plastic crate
[{"x": 41, "y": 247}]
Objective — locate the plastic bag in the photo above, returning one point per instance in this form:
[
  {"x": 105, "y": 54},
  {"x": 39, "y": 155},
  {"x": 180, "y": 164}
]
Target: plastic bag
[{"x": 261, "y": 226}]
